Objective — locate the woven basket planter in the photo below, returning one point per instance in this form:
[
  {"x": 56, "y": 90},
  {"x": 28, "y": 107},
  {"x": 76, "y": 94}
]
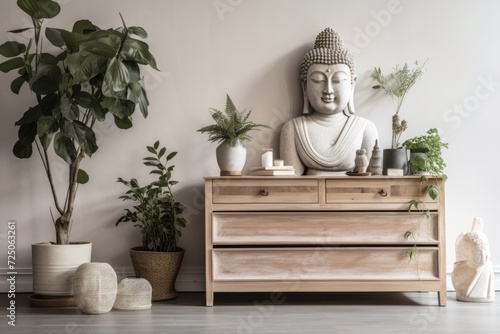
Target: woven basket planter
[{"x": 160, "y": 269}]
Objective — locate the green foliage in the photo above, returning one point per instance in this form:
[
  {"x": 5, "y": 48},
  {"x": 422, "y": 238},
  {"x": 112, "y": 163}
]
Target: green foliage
[
  {"x": 94, "y": 73},
  {"x": 230, "y": 125},
  {"x": 413, "y": 253},
  {"x": 419, "y": 206},
  {"x": 431, "y": 146},
  {"x": 155, "y": 212},
  {"x": 397, "y": 85}
]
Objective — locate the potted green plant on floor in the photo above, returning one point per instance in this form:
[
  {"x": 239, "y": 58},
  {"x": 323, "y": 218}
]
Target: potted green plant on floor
[
  {"x": 94, "y": 74},
  {"x": 230, "y": 131},
  {"x": 397, "y": 85},
  {"x": 159, "y": 218}
]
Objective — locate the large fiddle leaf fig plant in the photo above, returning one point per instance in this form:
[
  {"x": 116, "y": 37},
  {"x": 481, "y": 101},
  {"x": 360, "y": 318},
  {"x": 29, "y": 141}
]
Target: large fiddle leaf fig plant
[{"x": 93, "y": 75}]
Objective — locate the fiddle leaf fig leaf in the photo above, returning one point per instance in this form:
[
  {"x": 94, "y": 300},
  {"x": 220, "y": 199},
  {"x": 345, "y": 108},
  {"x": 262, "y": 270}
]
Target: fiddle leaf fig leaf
[
  {"x": 137, "y": 94},
  {"x": 82, "y": 177},
  {"x": 138, "y": 31},
  {"x": 17, "y": 83},
  {"x": 84, "y": 99},
  {"x": 119, "y": 108},
  {"x": 30, "y": 116},
  {"x": 69, "y": 110},
  {"x": 85, "y": 66},
  {"x": 12, "y": 49},
  {"x": 84, "y": 26},
  {"x": 124, "y": 123},
  {"x": 54, "y": 36},
  {"x": 39, "y": 9},
  {"x": 117, "y": 75},
  {"x": 47, "y": 124},
  {"x": 99, "y": 48},
  {"x": 27, "y": 133},
  {"x": 72, "y": 40},
  {"x": 47, "y": 80},
  {"x": 18, "y": 31},
  {"x": 48, "y": 59},
  {"x": 22, "y": 151},
  {"x": 46, "y": 139},
  {"x": 64, "y": 148},
  {"x": 82, "y": 134},
  {"x": 138, "y": 51},
  {"x": 11, "y": 64}
]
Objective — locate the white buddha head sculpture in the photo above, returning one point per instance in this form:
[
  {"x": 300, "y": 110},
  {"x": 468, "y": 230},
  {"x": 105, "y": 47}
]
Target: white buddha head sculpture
[{"x": 328, "y": 76}]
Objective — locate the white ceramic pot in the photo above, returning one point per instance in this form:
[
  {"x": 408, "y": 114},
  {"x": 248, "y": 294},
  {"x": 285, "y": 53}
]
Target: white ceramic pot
[
  {"x": 231, "y": 160},
  {"x": 54, "y": 266}
]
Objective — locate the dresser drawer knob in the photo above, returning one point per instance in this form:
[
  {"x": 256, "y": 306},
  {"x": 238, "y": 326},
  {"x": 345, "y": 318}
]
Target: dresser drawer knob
[
  {"x": 264, "y": 192},
  {"x": 382, "y": 193}
]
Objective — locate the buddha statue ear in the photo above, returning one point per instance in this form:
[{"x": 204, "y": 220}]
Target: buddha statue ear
[
  {"x": 306, "y": 108},
  {"x": 349, "y": 110}
]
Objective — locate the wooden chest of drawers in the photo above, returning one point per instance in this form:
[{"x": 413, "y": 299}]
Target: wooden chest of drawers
[{"x": 314, "y": 233}]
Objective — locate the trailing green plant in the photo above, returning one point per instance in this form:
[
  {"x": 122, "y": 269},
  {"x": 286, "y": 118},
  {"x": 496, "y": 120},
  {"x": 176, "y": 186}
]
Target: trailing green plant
[
  {"x": 155, "y": 212},
  {"x": 431, "y": 160},
  {"x": 416, "y": 205},
  {"x": 231, "y": 125},
  {"x": 423, "y": 210},
  {"x": 94, "y": 73},
  {"x": 397, "y": 85}
]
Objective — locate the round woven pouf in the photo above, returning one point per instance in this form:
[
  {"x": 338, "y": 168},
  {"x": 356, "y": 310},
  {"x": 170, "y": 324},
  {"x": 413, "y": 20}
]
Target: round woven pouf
[
  {"x": 94, "y": 288},
  {"x": 134, "y": 294}
]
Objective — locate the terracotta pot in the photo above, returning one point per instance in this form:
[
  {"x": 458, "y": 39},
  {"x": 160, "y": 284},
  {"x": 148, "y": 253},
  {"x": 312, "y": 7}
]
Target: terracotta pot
[{"x": 160, "y": 269}]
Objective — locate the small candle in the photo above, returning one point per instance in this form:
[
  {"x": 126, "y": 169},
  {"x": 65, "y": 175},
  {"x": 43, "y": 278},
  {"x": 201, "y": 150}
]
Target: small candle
[
  {"x": 279, "y": 162},
  {"x": 267, "y": 157}
]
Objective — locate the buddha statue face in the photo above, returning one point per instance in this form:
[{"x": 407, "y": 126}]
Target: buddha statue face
[
  {"x": 328, "y": 88},
  {"x": 328, "y": 74}
]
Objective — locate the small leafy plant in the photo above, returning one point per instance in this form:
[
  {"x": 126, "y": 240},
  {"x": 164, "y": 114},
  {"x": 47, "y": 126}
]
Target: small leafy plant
[
  {"x": 230, "y": 125},
  {"x": 397, "y": 85},
  {"x": 155, "y": 212},
  {"x": 430, "y": 145}
]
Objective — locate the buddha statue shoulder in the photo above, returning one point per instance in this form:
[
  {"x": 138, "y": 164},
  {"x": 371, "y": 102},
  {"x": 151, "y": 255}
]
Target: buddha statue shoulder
[{"x": 324, "y": 140}]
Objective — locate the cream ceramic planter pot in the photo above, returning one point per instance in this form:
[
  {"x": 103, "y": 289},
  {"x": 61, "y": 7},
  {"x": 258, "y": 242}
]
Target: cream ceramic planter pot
[
  {"x": 231, "y": 160},
  {"x": 54, "y": 266}
]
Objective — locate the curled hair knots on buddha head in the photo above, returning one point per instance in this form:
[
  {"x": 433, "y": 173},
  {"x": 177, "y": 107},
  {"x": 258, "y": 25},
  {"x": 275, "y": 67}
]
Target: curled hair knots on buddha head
[{"x": 328, "y": 49}]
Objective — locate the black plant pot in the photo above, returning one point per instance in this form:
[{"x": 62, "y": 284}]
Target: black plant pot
[{"x": 395, "y": 158}]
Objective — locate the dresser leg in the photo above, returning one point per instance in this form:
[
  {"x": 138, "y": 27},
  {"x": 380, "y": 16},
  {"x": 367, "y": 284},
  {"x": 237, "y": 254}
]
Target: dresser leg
[
  {"x": 442, "y": 298},
  {"x": 210, "y": 298}
]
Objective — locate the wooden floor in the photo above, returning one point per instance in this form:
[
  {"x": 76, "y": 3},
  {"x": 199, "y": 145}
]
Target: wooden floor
[{"x": 336, "y": 313}]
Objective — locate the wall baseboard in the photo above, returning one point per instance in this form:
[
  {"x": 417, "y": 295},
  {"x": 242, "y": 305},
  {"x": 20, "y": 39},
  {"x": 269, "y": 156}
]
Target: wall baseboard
[{"x": 190, "y": 279}]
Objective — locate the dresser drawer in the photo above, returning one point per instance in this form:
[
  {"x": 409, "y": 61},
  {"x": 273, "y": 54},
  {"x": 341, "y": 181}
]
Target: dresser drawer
[
  {"x": 322, "y": 228},
  {"x": 366, "y": 190},
  {"x": 265, "y": 190},
  {"x": 320, "y": 263}
]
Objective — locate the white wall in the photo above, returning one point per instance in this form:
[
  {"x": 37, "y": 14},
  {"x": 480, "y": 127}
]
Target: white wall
[{"x": 251, "y": 49}]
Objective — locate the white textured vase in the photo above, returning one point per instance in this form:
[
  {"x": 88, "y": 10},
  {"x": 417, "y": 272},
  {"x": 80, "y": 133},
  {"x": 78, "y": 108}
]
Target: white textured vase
[
  {"x": 134, "y": 294},
  {"x": 231, "y": 160},
  {"x": 54, "y": 266},
  {"x": 95, "y": 287}
]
